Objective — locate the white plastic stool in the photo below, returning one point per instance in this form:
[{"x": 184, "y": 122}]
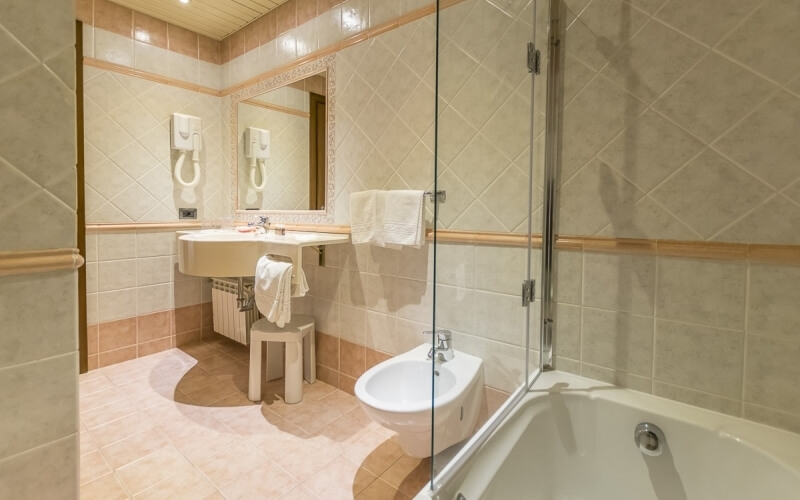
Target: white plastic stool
[{"x": 300, "y": 358}]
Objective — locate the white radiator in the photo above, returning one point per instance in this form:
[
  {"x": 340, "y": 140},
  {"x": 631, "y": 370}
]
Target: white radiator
[{"x": 228, "y": 320}]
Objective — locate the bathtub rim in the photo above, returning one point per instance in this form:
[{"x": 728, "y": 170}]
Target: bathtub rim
[{"x": 781, "y": 445}]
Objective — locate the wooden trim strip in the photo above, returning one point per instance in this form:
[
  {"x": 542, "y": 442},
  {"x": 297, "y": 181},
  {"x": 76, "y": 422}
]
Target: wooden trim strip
[
  {"x": 39, "y": 261},
  {"x": 275, "y": 107},
  {"x": 778, "y": 254},
  {"x": 775, "y": 254},
  {"x": 144, "y": 75},
  {"x": 703, "y": 249},
  {"x": 143, "y": 226}
]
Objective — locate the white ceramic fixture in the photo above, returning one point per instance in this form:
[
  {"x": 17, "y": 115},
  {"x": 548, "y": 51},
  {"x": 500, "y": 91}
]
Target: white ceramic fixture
[
  {"x": 397, "y": 395},
  {"x": 573, "y": 437},
  {"x": 222, "y": 253}
]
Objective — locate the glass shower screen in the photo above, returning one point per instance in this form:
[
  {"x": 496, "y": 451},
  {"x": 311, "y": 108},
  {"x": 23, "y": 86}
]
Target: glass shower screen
[{"x": 487, "y": 141}]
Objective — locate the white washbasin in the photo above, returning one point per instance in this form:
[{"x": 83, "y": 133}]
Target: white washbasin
[{"x": 222, "y": 253}]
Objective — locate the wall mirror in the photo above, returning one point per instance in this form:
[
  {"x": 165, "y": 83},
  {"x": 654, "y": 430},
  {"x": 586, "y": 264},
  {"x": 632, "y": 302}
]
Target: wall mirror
[{"x": 282, "y": 150}]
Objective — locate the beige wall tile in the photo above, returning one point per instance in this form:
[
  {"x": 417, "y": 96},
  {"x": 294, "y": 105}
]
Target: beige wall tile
[
  {"x": 116, "y": 305},
  {"x": 59, "y": 458},
  {"x": 772, "y": 371},
  {"x": 154, "y": 298},
  {"x": 619, "y": 341},
  {"x": 763, "y": 144},
  {"x": 569, "y": 276},
  {"x": 352, "y": 325},
  {"x": 649, "y": 150},
  {"x": 773, "y": 298},
  {"x": 707, "y": 21},
  {"x": 697, "y": 398},
  {"x": 763, "y": 30},
  {"x": 499, "y": 269},
  {"x": 710, "y": 193},
  {"x": 635, "y": 67},
  {"x": 771, "y": 417},
  {"x": 33, "y": 420},
  {"x": 777, "y": 221},
  {"x": 699, "y": 357},
  {"x": 116, "y": 275},
  {"x": 50, "y": 334},
  {"x": 704, "y": 292},
  {"x": 616, "y": 377},
  {"x": 707, "y": 91},
  {"x": 601, "y": 29},
  {"x": 503, "y": 364},
  {"x": 620, "y": 282},
  {"x": 498, "y": 317},
  {"x": 568, "y": 325},
  {"x": 153, "y": 270}
]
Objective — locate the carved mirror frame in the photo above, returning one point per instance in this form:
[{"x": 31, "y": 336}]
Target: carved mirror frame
[{"x": 300, "y": 72}]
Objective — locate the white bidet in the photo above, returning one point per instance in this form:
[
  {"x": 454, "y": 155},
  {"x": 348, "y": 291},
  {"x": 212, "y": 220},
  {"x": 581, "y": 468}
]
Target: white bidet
[{"x": 397, "y": 395}]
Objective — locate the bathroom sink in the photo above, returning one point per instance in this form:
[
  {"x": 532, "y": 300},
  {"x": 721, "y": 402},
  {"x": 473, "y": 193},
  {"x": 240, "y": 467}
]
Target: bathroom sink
[{"x": 221, "y": 253}]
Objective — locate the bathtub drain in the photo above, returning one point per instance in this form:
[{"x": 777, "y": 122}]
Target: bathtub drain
[{"x": 649, "y": 438}]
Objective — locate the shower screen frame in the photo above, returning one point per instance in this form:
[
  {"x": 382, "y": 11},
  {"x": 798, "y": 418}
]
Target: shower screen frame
[{"x": 551, "y": 61}]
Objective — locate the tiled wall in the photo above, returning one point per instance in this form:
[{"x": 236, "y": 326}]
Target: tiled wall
[
  {"x": 287, "y": 168},
  {"x": 138, "y": 301},
  {"x": 38, "y": 312},
  {"x": 385, "y": 122},
  {"x": 680, "y": 121},
  {"x": 382, "y": 300},
  {"x": 128, "y": 156},
  {"x": 298, "y": 28},
  {"x": 721, "y": 335},
  {"x": 119, "y": 35}
]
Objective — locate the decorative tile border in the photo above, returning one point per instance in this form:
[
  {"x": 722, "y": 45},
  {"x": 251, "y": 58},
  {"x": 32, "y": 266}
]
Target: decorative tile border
[{"x": 40, "y": 261}]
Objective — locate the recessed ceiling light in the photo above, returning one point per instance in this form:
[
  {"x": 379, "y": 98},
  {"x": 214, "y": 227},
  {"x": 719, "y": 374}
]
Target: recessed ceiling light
[{"x": 184, "y": 1}]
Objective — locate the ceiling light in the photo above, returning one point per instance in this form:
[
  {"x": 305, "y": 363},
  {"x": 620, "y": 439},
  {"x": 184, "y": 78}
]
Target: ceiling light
[{"x": 184, "y": 1}]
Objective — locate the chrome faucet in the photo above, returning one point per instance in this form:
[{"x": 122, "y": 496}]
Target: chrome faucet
[
  {"x": 444, "y": 345},
  {"x": 263, "y": 223}
]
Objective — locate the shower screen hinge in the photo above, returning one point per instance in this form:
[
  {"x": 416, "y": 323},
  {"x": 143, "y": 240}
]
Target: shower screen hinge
[
  {"x": 534, "y": 59},
  {"x": 528, "y": 292}
]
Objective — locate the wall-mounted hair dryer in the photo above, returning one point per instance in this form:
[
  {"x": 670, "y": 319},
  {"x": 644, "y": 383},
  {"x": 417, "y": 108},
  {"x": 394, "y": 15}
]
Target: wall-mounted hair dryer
[
  {"x": 256, "y": 149},
  {"x": 185, "y": 137}
]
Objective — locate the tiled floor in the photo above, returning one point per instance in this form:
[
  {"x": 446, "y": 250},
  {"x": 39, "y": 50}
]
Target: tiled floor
[{"x": 178, "y": 425}]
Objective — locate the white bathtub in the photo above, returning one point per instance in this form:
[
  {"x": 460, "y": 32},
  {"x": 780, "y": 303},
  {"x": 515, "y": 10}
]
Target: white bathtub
[{"x": 572, "y": 439}]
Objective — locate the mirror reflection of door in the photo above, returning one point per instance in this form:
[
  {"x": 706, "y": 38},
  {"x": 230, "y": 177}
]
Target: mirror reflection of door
[{"x": 316, "y": 148}]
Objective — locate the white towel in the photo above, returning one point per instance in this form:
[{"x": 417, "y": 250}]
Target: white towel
[
  {"x": 365, "y": 227},
  {"x": 273, "y": 289},
  {"x": 299, "y": 285},
  {"x": 403, "y": 218}
]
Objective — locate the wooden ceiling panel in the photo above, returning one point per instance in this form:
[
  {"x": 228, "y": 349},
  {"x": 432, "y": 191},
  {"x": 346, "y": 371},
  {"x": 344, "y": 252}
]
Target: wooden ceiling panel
[{"x": 213, "y": 18}]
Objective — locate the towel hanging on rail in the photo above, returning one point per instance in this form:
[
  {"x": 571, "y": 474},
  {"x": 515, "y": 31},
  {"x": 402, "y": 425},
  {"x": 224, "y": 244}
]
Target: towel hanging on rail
[{"x": 388, "y": 218}]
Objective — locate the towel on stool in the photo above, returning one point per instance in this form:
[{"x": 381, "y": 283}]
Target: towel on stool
[
  {"x": 300, "y": 287},
  {"x": 273, "y": 289},
  {"x": 403, "y": 218}
]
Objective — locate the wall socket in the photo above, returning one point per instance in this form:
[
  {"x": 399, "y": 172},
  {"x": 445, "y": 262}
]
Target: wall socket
[{"x": 187, "y": 213}]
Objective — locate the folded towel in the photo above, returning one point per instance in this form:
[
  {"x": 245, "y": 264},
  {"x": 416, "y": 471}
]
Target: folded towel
[
  {"x": 403, "y": 217},
  {"x": 365, "y": 227},
  {"x": 273, "y": 289},
  {"x": 300, "y": 287}
]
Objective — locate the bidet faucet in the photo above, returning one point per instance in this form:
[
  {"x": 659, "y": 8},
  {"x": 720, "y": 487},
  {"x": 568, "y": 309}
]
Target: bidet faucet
[
  {"x": 444, "y": 345},
  {"x": 263, "y": 223}
]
